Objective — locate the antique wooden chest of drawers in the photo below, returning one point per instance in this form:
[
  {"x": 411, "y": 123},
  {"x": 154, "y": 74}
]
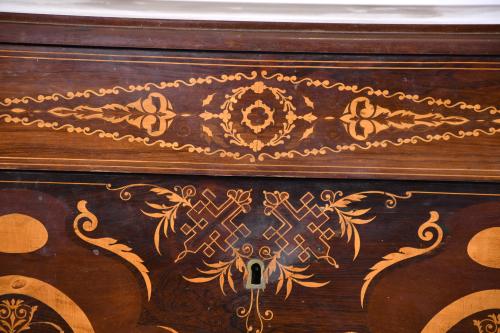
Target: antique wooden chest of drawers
[{"x": 188, "y": 177}]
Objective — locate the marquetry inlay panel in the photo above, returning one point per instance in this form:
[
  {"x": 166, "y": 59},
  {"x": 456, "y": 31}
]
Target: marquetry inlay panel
[
  {"x": 359, "y": 122},
  {"x": 235, "y": 114},
  {"x": 351, "y": 244},
  {"x": 248, "y": 177}
]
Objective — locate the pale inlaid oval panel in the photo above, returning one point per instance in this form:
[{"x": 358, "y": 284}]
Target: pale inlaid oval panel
[
  {"x": 21, "y": 233},
  {"x": 484, "y": 247}
]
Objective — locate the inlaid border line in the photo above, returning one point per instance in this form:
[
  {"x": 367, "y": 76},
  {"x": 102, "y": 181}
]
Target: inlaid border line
[
  {"x": 243, "y": 164},
  {"x": 253, "y": 65},
  {"x": 51, "y": 182},
  {"x": 252, "y": 60},
  {"x": 248, "y": 170},
  {"x": 407, "y": 193}
]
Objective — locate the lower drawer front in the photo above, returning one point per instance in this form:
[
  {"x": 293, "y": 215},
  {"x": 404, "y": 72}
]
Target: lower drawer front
[{"x": 132, "y": 253}]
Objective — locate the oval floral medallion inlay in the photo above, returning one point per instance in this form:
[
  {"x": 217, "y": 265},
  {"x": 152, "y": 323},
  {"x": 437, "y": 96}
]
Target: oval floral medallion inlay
[
  {"x": 484, "y": 247},
  {"x": 21, "y": 233}
]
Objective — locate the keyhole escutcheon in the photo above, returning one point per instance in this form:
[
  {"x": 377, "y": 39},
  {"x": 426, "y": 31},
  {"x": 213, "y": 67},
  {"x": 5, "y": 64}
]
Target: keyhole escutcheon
[{"x": 255, "y": 280}]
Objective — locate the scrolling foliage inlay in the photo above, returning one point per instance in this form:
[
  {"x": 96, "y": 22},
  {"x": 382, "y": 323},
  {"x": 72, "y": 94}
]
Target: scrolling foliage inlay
[
  {"x": 255, "y": 116},
  {"x": 491, "y": 324},
  {"x": 298, "y": 234},
  {"x": 424, "y": 233},
  {"x": 16, "y": 316},
  {"x": 86, "y": 222}
]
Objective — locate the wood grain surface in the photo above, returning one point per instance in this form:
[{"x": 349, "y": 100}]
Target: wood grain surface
[
  {"x": 339, "y": 116},
  {"x": 138, "y": 253},
  {"x": 296, "y": 238},
  {"x": 250, "y": 36}
]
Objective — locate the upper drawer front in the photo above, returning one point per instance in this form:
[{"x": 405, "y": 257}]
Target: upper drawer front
[{"x": 212, "y": 113}]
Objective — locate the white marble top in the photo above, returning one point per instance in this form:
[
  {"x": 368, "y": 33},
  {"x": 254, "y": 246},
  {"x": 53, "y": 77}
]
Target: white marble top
[{"x": 310, "y": 11}]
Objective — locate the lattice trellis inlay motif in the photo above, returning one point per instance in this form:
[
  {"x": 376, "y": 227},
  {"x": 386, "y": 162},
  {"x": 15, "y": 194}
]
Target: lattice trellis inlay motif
[
  {"x": 301, "y": 231},
  {"x": 298, "y": 232},
  {"x": 219, "y": 222}
]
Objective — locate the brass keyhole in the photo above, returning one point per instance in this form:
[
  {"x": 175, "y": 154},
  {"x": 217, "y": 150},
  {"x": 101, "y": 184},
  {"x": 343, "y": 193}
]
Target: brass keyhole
[{"x": 255, "y": 278}]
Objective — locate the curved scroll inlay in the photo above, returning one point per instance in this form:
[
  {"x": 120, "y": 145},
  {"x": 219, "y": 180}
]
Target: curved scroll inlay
[
  {"x": 168, "y": 329},
  {"x": 405, "y": 253},
  {"x": 88, "y": 222},
  {"x": 484, "y": 247},
  {"x": 362, "y": 119},
  {"x": 17, "y": 317},
  {"x": 69, "y": 311},
  {"x": 462, "y": 308},
  {"x": 491, "y": 324},
  {"x": 285, "y": 242},
  {"x": 21, "y": 233},
  {"x": 268, "y": 116}
]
